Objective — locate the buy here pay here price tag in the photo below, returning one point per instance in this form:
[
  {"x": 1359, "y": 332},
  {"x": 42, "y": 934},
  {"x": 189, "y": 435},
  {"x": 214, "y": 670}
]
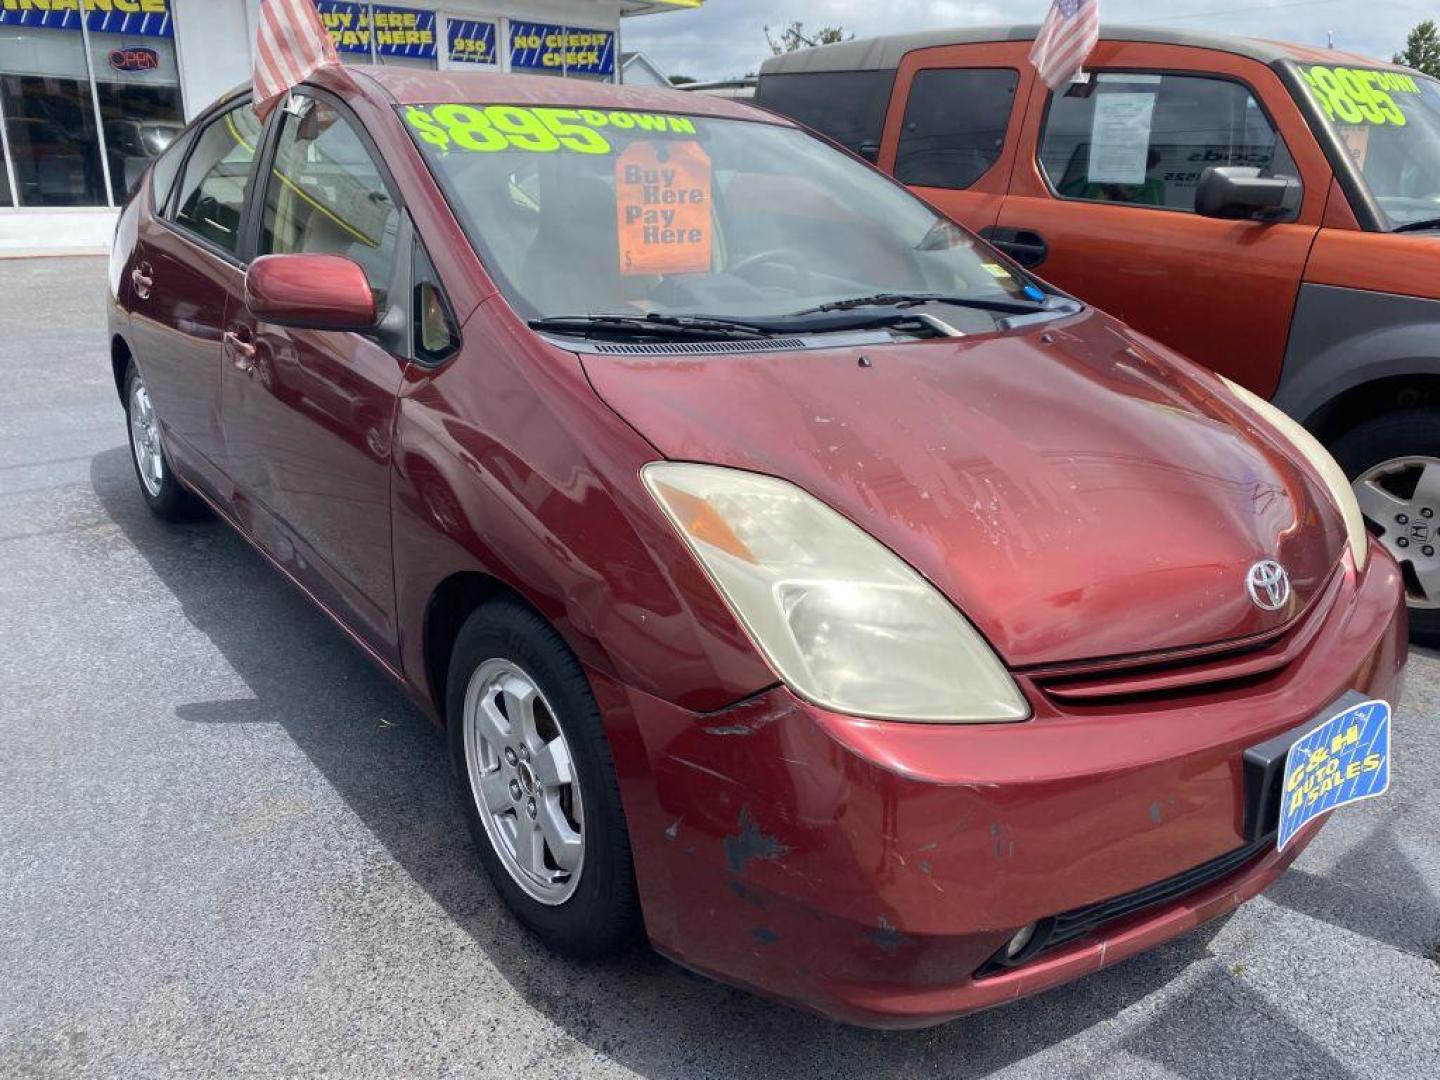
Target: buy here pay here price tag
[{"x": 662, "y": 203}]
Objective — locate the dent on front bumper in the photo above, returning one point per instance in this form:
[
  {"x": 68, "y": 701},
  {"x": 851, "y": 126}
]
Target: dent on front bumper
[{"x": 866, "y": 870}]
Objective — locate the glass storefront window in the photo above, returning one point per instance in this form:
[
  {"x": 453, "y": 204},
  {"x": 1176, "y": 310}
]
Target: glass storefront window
[
  {"x": 138, "y": 86},
  {"x": 50, "y": 94},
  {"x": 408, "y": 61},
  {"x": 7, "y": 198},
  {"x": 50, "y": 118}
]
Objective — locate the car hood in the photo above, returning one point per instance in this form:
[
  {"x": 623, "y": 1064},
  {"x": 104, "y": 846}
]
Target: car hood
[{"x": 1077, "y": 492}]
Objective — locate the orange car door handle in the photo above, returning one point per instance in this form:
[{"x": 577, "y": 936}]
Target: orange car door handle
[{"x": 1027, "y": 248}]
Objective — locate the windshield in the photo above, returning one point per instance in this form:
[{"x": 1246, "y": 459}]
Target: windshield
[
  {"x": 1390, "y": 123},
  {"x": 580, "y": 212}
]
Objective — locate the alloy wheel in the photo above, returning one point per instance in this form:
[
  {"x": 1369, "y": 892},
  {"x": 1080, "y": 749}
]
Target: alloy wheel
[
  {"x": 145, "y": 440},
  {"x": 523, "y": 781},
  {"x": 1400, "y": 499}
]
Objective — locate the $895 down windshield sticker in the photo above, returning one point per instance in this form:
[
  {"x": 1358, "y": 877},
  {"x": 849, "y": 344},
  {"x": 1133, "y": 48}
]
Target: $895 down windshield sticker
[
  {"x": 488, "y": 128},
  {"x": 1360, "y": 96},
  {"x": 1344, "y": 760}
]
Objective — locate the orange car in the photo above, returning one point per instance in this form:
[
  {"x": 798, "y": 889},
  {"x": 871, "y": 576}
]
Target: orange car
[{"x": 1269, "y": 210}]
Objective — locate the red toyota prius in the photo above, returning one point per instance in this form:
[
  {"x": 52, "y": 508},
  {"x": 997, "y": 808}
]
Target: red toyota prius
[{"x": 801, "y": 584}]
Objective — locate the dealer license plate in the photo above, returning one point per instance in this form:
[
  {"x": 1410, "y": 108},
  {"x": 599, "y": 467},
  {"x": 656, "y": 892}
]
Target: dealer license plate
[{"x": 1343, "y": 760}]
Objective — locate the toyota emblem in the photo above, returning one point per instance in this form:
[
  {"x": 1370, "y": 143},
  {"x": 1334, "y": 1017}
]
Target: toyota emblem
[{"x": 1268, "y": 585}]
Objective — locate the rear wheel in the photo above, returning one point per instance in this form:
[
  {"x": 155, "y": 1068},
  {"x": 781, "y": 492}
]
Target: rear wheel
[
  {"x": 1394, "y": 463},
  {"x": 538, "y": 784},
  {"x": 163, "y": 493}
]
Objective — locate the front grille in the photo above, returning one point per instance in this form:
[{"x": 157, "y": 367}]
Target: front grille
[
  {"x": 1182, "y": 673},
  {"x": 1081, "y": 922}
]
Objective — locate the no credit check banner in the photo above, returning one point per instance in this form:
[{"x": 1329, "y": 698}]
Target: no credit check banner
[
  {"x": 144, "y": 18},
  {"x": 574, "y": 49},
  {"x": 1344, "y": 760}
]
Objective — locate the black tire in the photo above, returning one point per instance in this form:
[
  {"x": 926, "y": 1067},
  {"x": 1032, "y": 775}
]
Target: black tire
[
  {"x": 169, "y": 500},
  {"x": 602, "y": 916},
  {"x": 1389, "y": 437}
]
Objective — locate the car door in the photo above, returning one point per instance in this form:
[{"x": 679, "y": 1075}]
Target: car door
[
  {"x": 954, "y": 120},
  {"x": 185, "y": 267},
  {"x": 309, "y": 414},
  {"x": 1106, "y": 182}
]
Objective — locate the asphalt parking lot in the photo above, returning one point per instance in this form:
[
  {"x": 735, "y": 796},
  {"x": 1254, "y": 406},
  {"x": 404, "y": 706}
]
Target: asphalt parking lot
[{"x": 229, "y": 847}]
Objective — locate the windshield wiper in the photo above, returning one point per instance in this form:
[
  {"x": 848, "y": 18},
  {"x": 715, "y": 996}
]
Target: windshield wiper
[
  {"x": 1004, "y": 307},
  {"x": 1418, "y": 226},
  {"x": 679, "y": 327}
]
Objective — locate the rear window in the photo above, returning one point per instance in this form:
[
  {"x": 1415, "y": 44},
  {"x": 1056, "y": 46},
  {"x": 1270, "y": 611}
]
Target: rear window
[
  {"x": 848, "y": 106},
  {"x": 955, "y": 123}
]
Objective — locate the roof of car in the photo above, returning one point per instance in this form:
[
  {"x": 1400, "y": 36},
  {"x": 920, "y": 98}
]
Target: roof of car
[
  {"x": 880, "y": 53},
  {"x": 411, "y": 86}
]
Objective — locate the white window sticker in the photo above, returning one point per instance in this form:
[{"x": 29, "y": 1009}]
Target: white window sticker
[
  {"x": 1131, "y": 78},
  {"x": 1120, "y": 138}
]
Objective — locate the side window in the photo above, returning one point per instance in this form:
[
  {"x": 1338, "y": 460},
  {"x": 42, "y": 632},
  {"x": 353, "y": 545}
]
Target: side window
[
  {"x": 955, "y": 124},
  {"x": 848, "y": 106},
  {"x": 164, "y": 171},
  {"x": 325, "y": 195},
  {"x": 212, "y": 189},
  {"x": 1148, "y": 139},
  {"x": 433, "y": 333}
]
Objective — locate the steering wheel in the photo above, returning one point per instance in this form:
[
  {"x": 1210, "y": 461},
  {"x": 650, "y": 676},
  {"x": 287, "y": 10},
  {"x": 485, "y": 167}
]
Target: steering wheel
[{"x": 760, "y": 258}]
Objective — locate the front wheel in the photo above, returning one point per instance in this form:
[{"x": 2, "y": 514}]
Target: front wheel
[
  {"x": 1394, "y": 463},
  {"x": 164, "y": 494},
  {"x": 538, "y": 783}
]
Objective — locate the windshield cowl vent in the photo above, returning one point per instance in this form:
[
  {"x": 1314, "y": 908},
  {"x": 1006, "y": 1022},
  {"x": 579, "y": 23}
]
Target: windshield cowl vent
[{"x": 692, "y": 348}]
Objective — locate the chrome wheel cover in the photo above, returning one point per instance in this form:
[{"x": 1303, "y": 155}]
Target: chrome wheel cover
[
  {"x": 145, "y": 441},
  {"x": 523, "y": 781},
  {"x": 1400, "y": 499}
]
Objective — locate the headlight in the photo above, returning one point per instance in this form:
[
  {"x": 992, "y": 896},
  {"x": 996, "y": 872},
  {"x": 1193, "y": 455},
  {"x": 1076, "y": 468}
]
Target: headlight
[
  {"x": 840, "y": 618},
  {"x": 1319, "y": 458}
]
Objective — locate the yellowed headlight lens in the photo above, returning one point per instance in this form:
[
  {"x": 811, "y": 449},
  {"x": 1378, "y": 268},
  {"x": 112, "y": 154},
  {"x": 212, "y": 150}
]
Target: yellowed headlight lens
[
  {"x": 1309, "y": 447},
  {"x": 842, "y": 620}
]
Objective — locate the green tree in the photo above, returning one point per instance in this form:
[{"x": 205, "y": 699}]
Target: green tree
[
  {"x": 794, "y": 37},
  {"x": 1422, "y": 49},
  {"x": 681, "y": 80}
]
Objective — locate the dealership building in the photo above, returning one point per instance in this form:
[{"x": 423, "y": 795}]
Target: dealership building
[{"x": 91, "y": 90}]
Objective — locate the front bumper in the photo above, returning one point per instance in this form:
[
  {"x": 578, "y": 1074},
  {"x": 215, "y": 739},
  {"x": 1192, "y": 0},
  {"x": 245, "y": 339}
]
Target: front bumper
[{"x": 867, "y": 870}]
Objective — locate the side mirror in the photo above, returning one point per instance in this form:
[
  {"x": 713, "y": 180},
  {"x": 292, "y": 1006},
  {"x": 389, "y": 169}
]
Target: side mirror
[
  {"x": 1237, "y": 193},
  {"x": 310, "y": 292}
]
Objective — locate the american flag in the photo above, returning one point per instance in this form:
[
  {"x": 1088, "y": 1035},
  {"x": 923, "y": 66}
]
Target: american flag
[
  {"x": 290, "y": 44},
  {"x": 1065, "y": 40}
]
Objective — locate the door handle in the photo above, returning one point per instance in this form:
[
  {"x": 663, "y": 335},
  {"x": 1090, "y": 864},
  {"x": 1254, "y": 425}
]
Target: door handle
[
  {"x": 141, "y": 279},
  {"x": 1026, "y": 247},
  {"x": 241, "y": 349}
]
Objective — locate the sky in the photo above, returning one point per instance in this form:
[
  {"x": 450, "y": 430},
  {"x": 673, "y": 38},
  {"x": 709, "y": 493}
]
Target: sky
[{"x": 727, "y": 37}]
